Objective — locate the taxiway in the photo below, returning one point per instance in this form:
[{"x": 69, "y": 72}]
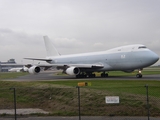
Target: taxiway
[{"x": 51, "y": 76}]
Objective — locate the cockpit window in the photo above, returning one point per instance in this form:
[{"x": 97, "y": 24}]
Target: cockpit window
[{"x": 141, "y": 47}]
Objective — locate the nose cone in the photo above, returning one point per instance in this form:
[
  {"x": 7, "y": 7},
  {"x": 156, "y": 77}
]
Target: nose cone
[
  {"x": 154, "y": 57},
  {"x": 149, "y": 58}
]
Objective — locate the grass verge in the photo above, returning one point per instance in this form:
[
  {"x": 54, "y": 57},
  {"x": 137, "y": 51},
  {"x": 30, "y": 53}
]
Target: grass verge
[
  {"x": 60, "y": 97},
  {"x": 10, "y": 75}
]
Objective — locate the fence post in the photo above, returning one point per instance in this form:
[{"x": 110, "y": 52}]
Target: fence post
[
  {"x": 14, "y": 95},
  {"x": 147, "y": 100},
  {"x": 79, "y": 106}
]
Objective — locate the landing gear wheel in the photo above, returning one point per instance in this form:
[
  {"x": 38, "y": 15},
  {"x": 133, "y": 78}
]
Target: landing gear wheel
[
  {"x": 104, "y": 75},
  {"x": 92, "y": 76},
  {"x": 81, "y": 76},
  {"x": 139, "y": 75}
]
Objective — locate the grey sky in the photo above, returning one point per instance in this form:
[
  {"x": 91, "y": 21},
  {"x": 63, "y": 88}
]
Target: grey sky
[{"x": 76, "y": 26}]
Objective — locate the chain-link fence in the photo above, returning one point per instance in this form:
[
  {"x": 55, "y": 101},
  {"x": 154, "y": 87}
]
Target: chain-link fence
[{"x": 138, "y": 101}]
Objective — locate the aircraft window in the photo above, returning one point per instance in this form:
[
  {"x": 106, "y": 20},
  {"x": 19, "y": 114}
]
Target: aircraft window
[{"x": 142, "y": 47}]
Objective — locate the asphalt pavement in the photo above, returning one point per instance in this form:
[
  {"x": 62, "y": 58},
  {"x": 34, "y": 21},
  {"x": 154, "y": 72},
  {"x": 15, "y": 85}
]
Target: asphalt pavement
[{"x": 50, "y": 76}]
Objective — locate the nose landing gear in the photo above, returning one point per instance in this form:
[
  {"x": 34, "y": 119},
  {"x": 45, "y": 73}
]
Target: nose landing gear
[{"x": 139, "y": 75}]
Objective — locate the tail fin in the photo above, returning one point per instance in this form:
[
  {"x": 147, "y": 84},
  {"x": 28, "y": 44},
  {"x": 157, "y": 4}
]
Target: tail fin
[{"x": 51, "y": 50}]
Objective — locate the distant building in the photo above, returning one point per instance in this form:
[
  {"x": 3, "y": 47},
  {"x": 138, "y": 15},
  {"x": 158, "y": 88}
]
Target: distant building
[
  {"x": 5, "y": 66},
  {"x": 10, "y": 61}
]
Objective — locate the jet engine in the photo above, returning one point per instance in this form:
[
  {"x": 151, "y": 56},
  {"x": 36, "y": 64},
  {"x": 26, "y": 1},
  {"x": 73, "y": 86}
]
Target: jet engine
[
  {"x": 72, "y": 71},
  {"x": 34, "y": 69}
]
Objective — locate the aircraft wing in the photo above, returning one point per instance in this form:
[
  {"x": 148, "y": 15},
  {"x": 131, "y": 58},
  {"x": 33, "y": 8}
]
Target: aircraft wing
[
  {"x": 65, "y": 66},
  {"x": 43, "y": 59},
  {"x": 62, "y": 66}
]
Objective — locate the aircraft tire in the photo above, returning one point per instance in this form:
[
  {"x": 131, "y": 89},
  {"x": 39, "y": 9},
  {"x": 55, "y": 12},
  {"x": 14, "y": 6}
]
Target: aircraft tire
[
  {"x": 104, "y": 75},
  {"x": 139, "y": 75},
  {"x": 81, "y": 76},
  {"x": 92, "y": 76}
]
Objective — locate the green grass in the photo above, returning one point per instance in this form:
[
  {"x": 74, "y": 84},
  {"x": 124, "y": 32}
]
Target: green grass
[
  {"x": 10, "y": 75},
  {"x": 103, "y": 84},
  {"x": 60, "y": 97},
  {"x": 127, "y": 86}
]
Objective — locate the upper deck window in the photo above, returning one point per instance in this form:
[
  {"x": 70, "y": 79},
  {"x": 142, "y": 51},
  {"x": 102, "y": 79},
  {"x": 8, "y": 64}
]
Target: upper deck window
[{"x": 141, "y": 47}]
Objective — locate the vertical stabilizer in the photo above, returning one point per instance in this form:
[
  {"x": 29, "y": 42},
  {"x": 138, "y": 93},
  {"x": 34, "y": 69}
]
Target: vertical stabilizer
[{"x": 51, "y": 50}]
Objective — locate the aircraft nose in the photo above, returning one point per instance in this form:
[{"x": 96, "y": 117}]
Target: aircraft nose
[{"x": 155, "y": 57}]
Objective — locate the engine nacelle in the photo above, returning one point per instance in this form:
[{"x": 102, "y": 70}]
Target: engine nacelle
[
  {"x": 25, "y": 69},
  {"x": 72, "y": 71},
  {"x": 34, "y": 69}
]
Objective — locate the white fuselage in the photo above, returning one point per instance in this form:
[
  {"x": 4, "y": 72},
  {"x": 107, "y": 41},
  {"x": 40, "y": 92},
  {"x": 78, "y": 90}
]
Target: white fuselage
[{"x": 123, "y": 58}]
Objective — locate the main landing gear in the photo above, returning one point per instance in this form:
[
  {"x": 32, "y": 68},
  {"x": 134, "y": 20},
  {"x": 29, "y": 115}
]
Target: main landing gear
[
  {"x": 90, "y": 75},
  {"x": 139, "y": 75},
  {"x": 104, "y": 74},
  {"x": 84, "y": 75}
]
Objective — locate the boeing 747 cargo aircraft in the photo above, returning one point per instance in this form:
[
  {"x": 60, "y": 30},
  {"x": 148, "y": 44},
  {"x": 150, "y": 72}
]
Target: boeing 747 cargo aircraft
[{"x": 125, "y": 58}]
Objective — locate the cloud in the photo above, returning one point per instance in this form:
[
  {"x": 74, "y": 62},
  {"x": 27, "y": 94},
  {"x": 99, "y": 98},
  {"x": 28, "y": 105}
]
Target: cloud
[
  {"x": 77, "y": 26},
  {"x": 68, "y": 43},
  {"x": 19, "y": 45},
  {"x": 98, "y": 45}
]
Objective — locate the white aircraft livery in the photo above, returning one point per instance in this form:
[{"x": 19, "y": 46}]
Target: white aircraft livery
[
  {"x": 125, "y": 58},
  {"x": 19, "y": 69}
]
